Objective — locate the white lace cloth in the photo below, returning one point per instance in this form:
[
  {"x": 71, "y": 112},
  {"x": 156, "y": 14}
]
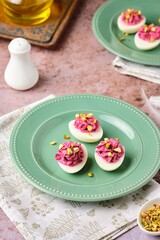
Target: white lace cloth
[
  {"x": 149, "y": 73},
  {"x": 39, "y": 216}
]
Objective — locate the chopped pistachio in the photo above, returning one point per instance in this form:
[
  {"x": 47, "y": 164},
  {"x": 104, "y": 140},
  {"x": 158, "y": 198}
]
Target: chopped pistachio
[
  {"x": 144, "y": 214},
  {"x": 90, "y": 174},
  {"x": 106, "y": 139},
  {"x": 153, "y": 29},
  {"x": 116, "y": 139},
  {"x": 151, "y": 218},
  {"x": 76, "y": 149},
  {"x": 66, "y": 136},
  {"x": 129, "y": 10},
  {"x": 151, "y": 25},
  {"x": 60, "y": 146},
  {"x": 82, "y": 115},
  {"x": 69, "y": 151},
  {"x": 110, "y": 154},
  {"x": 122, "y": 39},
  {"x": 117, "y": 150},
  {"x": 53, "y": 143},
  {"x": 89, "y": 128},
  {"x": 94, "y": 121},
  {"x": 145, "y": 29},
  {"x": 108, "y": 145},
  {"x": 127, "y": 16},
  {"x": 83, "y": 119},
  {"x": 77, "y": 115},
  {"x": 89, "y": 115}
]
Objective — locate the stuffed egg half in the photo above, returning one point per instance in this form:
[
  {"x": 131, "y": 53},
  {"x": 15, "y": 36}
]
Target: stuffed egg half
[
  {"x": 71, "y": 156},
  {"x": 147, "y": 37},
  {"x": 86, "y": 128},
  {"x": 109, "y": 154},
  {"x": 130, "y": 21}
]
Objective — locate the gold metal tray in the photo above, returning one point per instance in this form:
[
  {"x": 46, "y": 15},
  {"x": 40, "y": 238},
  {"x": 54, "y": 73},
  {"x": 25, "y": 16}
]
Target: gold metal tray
[{"x": 46, "y": 34}]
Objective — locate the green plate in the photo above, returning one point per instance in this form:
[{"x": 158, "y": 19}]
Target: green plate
[
  {"x": 105, "y": 29},
  {"x": 33, "y": 155}
]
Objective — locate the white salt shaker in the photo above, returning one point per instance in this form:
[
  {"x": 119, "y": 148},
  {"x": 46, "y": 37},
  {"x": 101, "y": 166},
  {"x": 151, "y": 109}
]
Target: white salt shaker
[{"x": 20, "y": 73}]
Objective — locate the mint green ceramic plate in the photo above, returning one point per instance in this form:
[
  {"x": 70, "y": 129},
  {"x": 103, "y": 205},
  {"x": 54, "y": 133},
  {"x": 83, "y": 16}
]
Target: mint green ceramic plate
[
  {"x": 105, "y": 29},
  {"x": 33, "y": 155}
]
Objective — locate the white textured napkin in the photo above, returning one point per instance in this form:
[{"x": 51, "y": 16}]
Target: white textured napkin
[
  {"x": 149, "y": 73},
  {"x": 40, "y": 216},
  {"x": 152, "y": 105}
]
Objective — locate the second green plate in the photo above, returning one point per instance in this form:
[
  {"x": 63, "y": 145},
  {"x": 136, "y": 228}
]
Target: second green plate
[{"x": 105, "y": 29}]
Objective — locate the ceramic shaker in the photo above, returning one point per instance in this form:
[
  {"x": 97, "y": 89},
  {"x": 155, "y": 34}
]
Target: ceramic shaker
[{"x": 20, "y": 73}]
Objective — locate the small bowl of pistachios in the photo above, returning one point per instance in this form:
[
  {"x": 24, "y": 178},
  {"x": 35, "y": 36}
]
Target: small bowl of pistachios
[{"x": 148, "y": 218}]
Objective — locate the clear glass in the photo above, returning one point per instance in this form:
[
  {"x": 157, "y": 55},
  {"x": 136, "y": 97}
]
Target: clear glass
[{"x": 27, "y": 12}]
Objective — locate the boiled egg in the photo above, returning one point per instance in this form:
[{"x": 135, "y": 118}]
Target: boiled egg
[
  {"x": 86, "y": 128},
  {"x": 130, "y": 21},
  {"x": 147, "y": 37},
  {"x": 109, "y": 154},
  {"x": 71, "y": 156}
]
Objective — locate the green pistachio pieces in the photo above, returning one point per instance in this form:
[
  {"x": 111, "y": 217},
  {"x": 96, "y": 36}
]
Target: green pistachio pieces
[{"x": 151, "y": 218}]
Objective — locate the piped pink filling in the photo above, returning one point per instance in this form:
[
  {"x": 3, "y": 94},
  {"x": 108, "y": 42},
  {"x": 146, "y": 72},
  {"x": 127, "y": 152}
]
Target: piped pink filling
[
  {"x": 86, "y": 123},
  {"x": 70, "y": 154},
  {"x": 132, "y": 17},
  {"x": 149, "y": 33},
  {"x": 110, "y": 150}
]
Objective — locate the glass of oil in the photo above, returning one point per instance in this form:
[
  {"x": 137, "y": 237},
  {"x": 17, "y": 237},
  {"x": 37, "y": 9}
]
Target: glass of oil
[{"x": 27, "y": 12}]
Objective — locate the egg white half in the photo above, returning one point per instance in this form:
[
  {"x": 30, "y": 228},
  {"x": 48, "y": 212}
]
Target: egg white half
[
  {"x": 85, "y": 137},
  {"x": 109, "y": 166},
  {"x": 145, "y": 45},
  {"x": 129, "y": 28},
  {"x": 78, "y": 167}
]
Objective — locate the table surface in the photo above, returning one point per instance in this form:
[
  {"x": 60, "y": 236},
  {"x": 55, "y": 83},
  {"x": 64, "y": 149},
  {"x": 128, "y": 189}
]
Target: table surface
[{"x": 79, "y": 64}]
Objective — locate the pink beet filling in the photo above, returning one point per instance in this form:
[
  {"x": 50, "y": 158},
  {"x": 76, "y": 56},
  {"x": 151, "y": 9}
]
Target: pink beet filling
[
  {"x": 82, "y": 124},
  {"x": 108, "y": 150},
  {"x": 75, "y": 156},
  {"x": 149, "y": 33},
  {"x": 132, "y": 17}
]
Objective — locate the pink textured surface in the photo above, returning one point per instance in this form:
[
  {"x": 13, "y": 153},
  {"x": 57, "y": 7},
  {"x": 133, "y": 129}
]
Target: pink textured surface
[{"x": 78, "y": 65}]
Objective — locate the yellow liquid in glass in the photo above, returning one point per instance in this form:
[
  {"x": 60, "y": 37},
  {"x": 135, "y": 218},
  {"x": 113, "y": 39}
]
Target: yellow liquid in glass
[{"x": 27, "y": 12}]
